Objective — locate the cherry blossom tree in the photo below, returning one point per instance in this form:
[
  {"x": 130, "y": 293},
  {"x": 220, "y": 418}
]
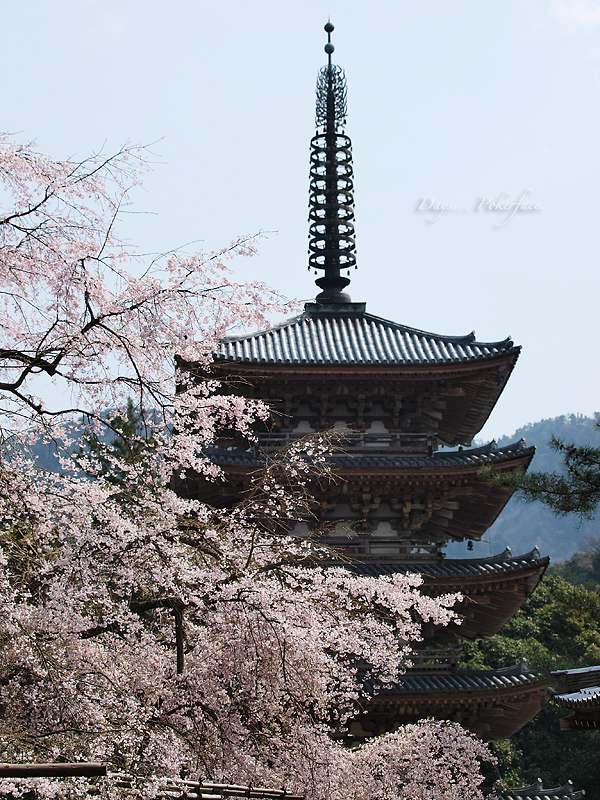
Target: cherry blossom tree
[{"x": 148, "y": 630}]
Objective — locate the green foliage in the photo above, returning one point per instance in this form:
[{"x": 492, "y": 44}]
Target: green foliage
[
  {"x": 582, "y": 569},
  {"x": 524, "y": 525},
  {"x": 507, "y": 771},
  {"x": 128, "y": 442},
  {"x": 557, "y": 628},
  {"x": 540, "y": 750},
  {"x": 574, "y": 490}
]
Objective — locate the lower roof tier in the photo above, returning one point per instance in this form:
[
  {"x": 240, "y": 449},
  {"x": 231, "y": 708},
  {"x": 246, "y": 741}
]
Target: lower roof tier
[
  {"x": 447, "y": 572},
  {"x": 443, "y": 462},
  {"x": 493, "y": 588},
  {"x": 494, "y": 704}
]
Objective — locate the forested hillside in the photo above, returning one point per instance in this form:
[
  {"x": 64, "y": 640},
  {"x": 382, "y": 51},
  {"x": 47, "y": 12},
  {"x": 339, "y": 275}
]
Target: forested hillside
[
  {"x": 521, "y": 525},
  {"x": 557, "y": 628}
]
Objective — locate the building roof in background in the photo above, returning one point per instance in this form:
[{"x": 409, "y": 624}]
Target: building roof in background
[{"x": 536, "y": 791}]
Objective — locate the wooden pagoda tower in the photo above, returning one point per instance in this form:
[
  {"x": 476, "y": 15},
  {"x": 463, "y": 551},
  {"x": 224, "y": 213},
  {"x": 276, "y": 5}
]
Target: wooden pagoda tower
[{"x": 397, "y": 394}]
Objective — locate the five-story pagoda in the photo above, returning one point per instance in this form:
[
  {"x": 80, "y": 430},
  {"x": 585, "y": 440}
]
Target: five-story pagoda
[{"x": 396, "y": 394}]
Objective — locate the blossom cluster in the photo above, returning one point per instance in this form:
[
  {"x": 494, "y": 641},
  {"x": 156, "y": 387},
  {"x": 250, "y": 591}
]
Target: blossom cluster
[{"x": 143, "y": 628}]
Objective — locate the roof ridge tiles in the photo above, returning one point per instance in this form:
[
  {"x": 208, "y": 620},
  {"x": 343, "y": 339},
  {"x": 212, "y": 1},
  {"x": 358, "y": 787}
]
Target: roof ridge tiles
[
  {"x": 535, "y": 791},
  {"x": 458, "y": 680},
  {"x": 501, "y": 563},
  {"x": 466, "y": 338},
  {"x": 355, "y": 338},
  {"x": 578, "y": 670},
  {"x": 505, "y": 555},
  {"x": 454, "y": 458}
]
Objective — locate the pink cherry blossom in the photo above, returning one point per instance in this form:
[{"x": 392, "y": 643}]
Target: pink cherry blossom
[{"x": 153, "y": 631}]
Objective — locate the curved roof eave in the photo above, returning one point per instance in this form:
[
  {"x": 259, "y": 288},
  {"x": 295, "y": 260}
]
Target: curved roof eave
[
  {"x": 446, "y": 461},
  {"x": 492, "y": 567},
  {"x": 328, "y": 339}
]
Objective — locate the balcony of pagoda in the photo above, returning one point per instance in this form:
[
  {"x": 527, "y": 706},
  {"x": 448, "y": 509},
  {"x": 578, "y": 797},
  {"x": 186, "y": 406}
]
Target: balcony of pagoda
[
  {"x": 342, "y": 440},
  {"x": 434, "y": 660}
]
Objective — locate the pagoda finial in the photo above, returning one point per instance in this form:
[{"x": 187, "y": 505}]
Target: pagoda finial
[
  {"x": 331, "y": 233},
  {"x": 329, "y": 48}
]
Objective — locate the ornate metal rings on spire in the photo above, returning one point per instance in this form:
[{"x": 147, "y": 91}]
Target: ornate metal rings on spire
[
  {"x": 331, "y": 82},
  {"x": 331, "y": 232}
]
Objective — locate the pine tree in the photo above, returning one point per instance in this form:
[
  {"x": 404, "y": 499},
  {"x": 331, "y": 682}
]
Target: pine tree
[
  {"x": 574, "y": 490},
  {"x": 125, "y": 442}
]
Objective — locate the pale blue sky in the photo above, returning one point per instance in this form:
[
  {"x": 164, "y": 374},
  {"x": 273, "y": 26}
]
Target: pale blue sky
[{"x": 453, "y": 101}]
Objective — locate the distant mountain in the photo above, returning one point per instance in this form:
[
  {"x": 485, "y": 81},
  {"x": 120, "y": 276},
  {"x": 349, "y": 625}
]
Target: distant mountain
[
  {"x": 522, "y": 526},
  {"x": 46, "y": 454}
]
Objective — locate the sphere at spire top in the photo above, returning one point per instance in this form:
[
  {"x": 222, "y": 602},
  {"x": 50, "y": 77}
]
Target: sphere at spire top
[{"x": 329, "y": 27}]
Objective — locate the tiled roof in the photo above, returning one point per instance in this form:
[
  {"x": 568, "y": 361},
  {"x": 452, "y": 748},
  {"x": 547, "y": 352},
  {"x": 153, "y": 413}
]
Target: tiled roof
[
  {"x": 500, "y": 564},
  {"x": 577, "y": 688},
  {"x": 577, "y": 684},
  {"x": 477, "y": 457},
  {"x": 358, "y": 338},
  {"x": 590, "y": 696},
  {"x": 536, "y": 792},
  {"x": 460, "y": 681},
  {"x": 579, "y": 691}
]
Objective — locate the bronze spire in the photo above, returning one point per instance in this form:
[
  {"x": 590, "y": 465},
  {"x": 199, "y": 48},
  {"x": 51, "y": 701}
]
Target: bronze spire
[{"x": 331, "y": 215}]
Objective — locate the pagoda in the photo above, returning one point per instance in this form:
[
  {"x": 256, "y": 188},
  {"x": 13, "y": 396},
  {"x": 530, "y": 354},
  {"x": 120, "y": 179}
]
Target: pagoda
[{"x": 406, "y": 404}]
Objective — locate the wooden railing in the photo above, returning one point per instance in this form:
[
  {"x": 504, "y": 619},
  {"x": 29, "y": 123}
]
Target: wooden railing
[
  {"x": 435, "y": 660},
  {"x": 168, "y": 788},
  {"x": 349, "y": 441},
  {"x": 78, "y": 769}
]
